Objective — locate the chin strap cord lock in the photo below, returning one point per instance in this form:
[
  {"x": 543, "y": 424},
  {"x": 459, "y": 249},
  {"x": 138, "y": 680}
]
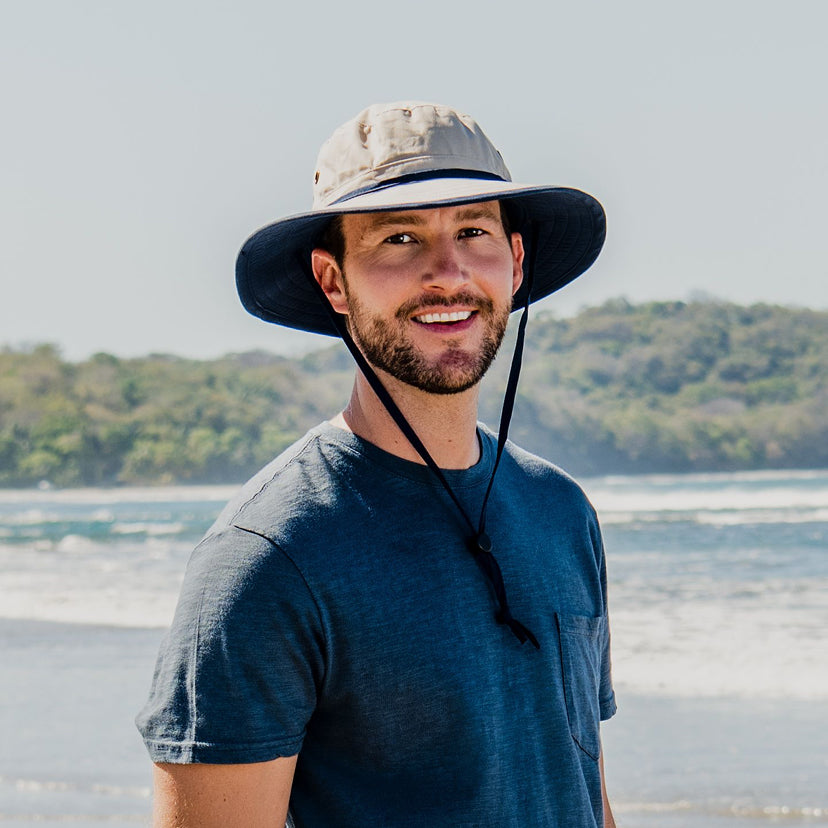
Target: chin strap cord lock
[{"x": 481, "y": 548}]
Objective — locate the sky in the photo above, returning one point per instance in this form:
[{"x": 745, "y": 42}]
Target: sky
[{"x": 144, "y": 142}]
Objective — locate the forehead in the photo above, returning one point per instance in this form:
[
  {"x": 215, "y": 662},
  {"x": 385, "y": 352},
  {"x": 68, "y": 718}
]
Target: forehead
[{"x": 361, "y": 223}]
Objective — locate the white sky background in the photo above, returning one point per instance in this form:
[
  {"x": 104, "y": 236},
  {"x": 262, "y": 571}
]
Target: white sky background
[{"x": 143, "y": 142}]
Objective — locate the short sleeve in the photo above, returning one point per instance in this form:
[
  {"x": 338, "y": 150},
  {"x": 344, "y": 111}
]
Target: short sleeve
[
  {"x": 238, "y": 673},
  {"x": 606, "y": 695}
]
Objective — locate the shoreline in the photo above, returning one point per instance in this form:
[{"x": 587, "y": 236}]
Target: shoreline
[{"x": 210, "y": 491}]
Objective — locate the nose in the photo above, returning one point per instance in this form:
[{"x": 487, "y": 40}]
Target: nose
[{"x": 445, "y": 268}]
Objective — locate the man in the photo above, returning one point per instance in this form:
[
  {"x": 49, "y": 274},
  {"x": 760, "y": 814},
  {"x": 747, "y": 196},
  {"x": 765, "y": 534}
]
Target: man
[{"x": 379, "y": 630}]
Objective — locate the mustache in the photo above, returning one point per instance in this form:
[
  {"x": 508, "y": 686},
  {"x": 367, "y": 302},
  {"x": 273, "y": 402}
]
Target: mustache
[{"x": 431, "y": 301}]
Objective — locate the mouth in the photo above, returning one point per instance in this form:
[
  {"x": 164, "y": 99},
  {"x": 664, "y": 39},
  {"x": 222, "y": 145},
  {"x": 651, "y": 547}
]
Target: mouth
[{"x": 443, "y": 318}]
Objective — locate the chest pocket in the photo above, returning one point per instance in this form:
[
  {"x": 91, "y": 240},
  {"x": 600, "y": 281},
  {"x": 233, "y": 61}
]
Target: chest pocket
[{"x": 581, "y": 641}]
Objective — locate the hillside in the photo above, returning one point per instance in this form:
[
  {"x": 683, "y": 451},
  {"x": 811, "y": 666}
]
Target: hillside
[
  {"x": 676, "y": 386},
  {"x": 617, "y": 389}
]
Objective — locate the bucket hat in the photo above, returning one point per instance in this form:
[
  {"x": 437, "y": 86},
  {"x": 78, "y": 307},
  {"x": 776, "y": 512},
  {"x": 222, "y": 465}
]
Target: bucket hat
[{"x": 403, "y": 156}]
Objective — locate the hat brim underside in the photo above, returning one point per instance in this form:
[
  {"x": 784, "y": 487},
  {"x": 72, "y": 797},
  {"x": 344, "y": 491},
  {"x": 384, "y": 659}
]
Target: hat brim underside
[{"x": 273, "y": 267}]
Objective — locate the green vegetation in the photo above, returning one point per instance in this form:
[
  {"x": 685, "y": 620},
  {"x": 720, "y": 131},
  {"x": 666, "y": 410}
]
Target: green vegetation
[
  {"x": 674, "y": 386},
  {"x": 667, "y": 386}
]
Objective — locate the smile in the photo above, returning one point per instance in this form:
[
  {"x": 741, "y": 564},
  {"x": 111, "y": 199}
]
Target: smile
[{"x": 453, "y": 316}]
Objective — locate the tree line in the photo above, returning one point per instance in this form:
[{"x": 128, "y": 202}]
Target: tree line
[{"x": 619, "y": 388}]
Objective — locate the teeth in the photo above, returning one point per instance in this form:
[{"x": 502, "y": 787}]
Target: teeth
[{"x": 454, "y": 316}]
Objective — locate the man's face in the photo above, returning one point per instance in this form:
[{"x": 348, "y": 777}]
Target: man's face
[{"x": 428, "y": 292}]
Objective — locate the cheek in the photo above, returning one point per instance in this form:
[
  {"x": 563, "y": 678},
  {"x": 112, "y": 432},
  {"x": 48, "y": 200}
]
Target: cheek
[
  {"x": 499, "y": 273},
  {"x": 382, "y": 286}
]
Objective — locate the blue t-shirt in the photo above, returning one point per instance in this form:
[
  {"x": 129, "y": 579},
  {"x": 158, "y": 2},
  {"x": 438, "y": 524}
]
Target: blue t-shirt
[{"x": 334, "y": 611}]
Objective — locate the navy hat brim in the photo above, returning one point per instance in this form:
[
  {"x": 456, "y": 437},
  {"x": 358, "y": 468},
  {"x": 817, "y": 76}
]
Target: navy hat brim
[{"x": 273, "y": 274}]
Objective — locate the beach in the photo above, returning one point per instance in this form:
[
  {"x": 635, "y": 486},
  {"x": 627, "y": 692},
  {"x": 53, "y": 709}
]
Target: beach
[
  {"x": 70, "y": 753},
  {"x": 720, "y": 632}
]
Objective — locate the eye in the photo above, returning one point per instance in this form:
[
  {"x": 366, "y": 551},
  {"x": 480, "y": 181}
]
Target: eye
[
  {"x": 400, "y": 238},
  {"x": 471, "y": 232}
]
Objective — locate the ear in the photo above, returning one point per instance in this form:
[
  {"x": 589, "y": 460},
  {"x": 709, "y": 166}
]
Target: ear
[
  {"x": 517, "y": 261},
  {"x": 329, "y": 276}
]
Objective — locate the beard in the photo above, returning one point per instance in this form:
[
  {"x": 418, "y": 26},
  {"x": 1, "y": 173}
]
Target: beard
[{"x": 386, "y": 345}]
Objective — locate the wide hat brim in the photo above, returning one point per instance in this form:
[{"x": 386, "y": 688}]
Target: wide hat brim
[{"x": 273, "y": 274}]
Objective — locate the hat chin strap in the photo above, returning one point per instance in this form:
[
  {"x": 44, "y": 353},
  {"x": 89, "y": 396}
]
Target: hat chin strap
[{"x": 479, "y": 543}]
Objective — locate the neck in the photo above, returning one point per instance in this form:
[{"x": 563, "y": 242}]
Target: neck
[{"x": 446, "y": 423}]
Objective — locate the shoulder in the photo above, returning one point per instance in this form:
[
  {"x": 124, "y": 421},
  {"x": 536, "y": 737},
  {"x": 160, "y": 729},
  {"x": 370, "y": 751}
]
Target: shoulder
[
  {"x": 527, "y": 472},
  {"x": 295, "y": 508},
  {"x": 239, "y": 548},
  {"x": 298, "y": 484},
  {"x": 301, "y": 458}
]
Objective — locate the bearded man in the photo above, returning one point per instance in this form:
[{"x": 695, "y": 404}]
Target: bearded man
[{"x": 402, "y": 620}]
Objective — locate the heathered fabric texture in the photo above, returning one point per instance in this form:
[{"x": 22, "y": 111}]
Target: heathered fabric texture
[{"x": 334, "y": 610}]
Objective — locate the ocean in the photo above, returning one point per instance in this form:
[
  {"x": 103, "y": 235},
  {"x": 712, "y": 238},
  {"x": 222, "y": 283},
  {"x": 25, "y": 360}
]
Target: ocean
[{"x": 719, "y": 611}]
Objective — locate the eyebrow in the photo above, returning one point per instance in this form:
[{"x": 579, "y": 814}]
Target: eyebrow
[{"x": 380, "y": 221}]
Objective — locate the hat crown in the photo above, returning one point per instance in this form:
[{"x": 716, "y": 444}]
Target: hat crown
[{"x": 387, "y": 141}]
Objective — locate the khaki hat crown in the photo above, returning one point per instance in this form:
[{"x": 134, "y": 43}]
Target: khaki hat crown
[{"x": 386, "y": 142}]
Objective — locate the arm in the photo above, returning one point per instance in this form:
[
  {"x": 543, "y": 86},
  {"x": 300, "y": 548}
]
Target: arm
[
  {"x": 609, "y": 820},
  {"x": 214, "y": 796}
]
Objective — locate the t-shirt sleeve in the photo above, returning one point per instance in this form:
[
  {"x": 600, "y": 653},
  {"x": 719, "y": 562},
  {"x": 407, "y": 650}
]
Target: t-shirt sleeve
[
  {"x": 606, "y": 695},
  {"x": 238, "y": 672}
]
